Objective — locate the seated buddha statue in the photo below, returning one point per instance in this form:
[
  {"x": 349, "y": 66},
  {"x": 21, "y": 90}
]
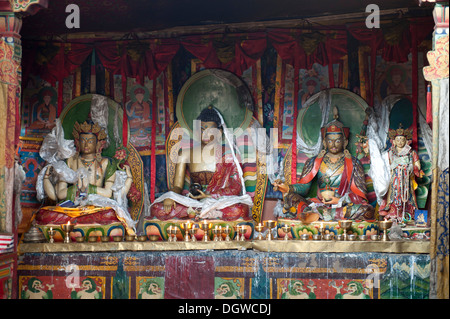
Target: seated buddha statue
[
  {"x": 88, "y": 191},
  {"x": 216, "y": 184},
  {"x": 341, "y": 189}
]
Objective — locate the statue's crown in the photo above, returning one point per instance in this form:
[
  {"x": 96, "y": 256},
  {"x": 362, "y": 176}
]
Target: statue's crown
[
  {"x": 407, "y": 133},
  {"x": 335, "y": 126},
  {"x": 88, "y": 127}
]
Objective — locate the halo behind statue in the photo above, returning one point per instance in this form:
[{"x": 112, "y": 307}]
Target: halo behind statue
[
  {"x": 221, "y": 89},
  {"x": 351, "y": 108},
  {"x": 78, "y": 111}
]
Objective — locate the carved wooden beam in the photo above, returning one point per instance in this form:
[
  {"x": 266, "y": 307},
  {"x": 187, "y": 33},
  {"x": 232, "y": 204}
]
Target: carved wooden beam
[{"x": 28, "y": 7}]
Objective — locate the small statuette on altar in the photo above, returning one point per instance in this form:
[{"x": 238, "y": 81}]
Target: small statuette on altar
[{"x": 420, "y": 218}]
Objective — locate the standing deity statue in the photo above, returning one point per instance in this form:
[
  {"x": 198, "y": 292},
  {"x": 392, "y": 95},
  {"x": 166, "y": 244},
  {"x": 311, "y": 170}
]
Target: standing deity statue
[
  {"x": 400, "y": 201},
  {"x": 341, "y": 188}
]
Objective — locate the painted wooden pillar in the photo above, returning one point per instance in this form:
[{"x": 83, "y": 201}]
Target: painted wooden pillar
[
  {"x": 11, "y": 15},
  {"x": 437, "y": 73}
]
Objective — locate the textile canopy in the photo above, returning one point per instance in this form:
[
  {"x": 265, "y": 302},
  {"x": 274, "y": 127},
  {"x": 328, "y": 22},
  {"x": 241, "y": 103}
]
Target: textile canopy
[{"x": 233, "y": 52}]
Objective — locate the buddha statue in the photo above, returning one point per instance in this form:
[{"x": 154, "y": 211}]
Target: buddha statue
[
  {"x": 216, "y": 188},
  {"x": 341, "y": 189},
  {"x": 399, "y": 203},
  {"x": 90, "y": 189}
]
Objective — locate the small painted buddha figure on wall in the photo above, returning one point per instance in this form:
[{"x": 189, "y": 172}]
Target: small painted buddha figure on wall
[
  {"x": 340, "y": 177},
  {"x": 400, "y": 201}
]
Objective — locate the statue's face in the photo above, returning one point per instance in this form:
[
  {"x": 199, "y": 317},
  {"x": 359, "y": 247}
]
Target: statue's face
[
  {"x": 88, "y": 143},
  {"x": 400, "y": 141},
  {"x": 209, "y": 131},
  {"x": 335, "y": 143}
]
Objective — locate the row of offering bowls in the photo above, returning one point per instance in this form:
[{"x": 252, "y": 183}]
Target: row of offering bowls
[
  {"x": 191, "y": 229},
  {"x": 188, "y": 227},
  {"x": 344, "y": 224}
]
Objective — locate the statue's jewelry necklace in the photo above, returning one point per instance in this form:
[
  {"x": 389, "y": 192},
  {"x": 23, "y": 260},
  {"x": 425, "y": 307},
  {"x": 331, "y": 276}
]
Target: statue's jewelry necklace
[
  {"x": 333, "y": 167},
  {"x": 87, "y": 163}
]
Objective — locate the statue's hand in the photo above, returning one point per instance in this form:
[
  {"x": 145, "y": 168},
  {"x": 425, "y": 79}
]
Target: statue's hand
[
  {"x": 169, "y": 204},
  {"x": 200, "y": 196},
  {"x": 280, "y": 186},
  {"x": 49, "y": 171},
  {"x": 333, "y": 201},
  {"x": 128, "y": 171}
]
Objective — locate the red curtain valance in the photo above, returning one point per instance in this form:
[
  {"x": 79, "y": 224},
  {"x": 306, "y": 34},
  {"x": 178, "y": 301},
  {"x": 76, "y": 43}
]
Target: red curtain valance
[
  {"x": 303, "y": 48},
  {"x": 233, "y": 52}
]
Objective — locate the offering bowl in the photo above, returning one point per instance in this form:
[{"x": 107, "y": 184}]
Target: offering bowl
[
  {"x": 67, "y": 228},
  {"x": 259, "y": 229},
  {"x": 375, "y": 237},
  {"x": 270, "y": 224},
  {"x": 117, "y": 238},
  {"x": 384, "y": 226},
  {"x": 142, "y": 238},
  {"x": 80, "y": 239},
  {"x": 286, "y": 229},
  {"x": 345, "y": 224},
  {"x": 93, "y": 239}
]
